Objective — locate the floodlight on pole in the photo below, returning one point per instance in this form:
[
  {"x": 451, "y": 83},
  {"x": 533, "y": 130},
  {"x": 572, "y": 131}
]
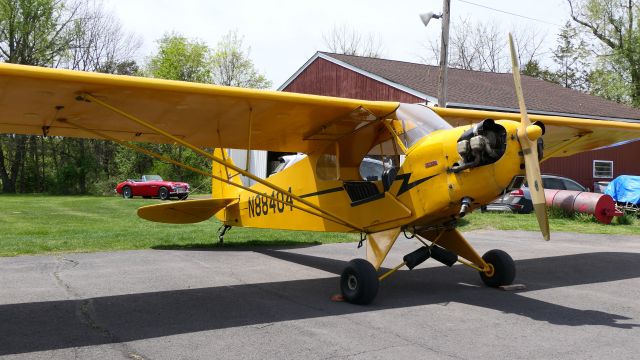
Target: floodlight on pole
[
  {"x": 444, "y": 47},
  {"x": 426, "y": 17}
]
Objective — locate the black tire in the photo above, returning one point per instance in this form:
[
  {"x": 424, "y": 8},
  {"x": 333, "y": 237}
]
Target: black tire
[
  {"x": 527, "y": 207},
  {"x": 359, "y": 282},
  {"x": 504, "y": 269},
  {"x": 183, "y": 196},
  {"x": 127, "y": 193},
  {"x": 163, "y": 193}
]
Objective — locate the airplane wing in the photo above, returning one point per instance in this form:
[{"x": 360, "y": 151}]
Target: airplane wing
[
  {"x": 563, "y": 136},
  {"x": 33, "y": 99}
]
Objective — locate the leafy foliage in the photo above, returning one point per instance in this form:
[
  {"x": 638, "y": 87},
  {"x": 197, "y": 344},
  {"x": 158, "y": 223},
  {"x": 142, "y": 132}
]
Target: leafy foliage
[
  {"x": 71, "y": 34},
  {"x": 232, "y": 66},
  {"x": 533, "y": 69},
  {"x": 35, "y": 32},
  {"x": 614, "y": 25},
  {"x": 81, "y": 35},
  {"x": 179, "y": 58},
  {"x": 571, "y": 57}
]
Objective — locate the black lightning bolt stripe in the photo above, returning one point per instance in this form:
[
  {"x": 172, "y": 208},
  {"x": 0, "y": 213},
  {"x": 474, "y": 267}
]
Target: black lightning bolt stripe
[{"x": 406, "y": 185}]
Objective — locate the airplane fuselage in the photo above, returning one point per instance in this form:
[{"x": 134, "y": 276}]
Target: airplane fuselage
[{"x": 425, "y": 191}]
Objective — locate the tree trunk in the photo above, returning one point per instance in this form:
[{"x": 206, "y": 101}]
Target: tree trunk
[
  {"x": 635, "y": 87},
  {"x": 43, "y": 156},
  {"x": 6, "y": 182},
  {"x": 17, "y": 163},
  {"x": 15, "y": 156},
  {"x": 82, "y": 167}
]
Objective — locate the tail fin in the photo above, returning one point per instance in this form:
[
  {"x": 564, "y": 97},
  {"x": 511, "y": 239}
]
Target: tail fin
[{"x": 221, "y": 189}]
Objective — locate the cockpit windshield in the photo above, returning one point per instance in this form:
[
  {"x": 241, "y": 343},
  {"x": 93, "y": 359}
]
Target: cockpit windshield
[{"x": 415, "y": 121}]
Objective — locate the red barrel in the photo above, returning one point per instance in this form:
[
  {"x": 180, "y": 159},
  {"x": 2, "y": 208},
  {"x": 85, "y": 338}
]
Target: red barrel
[{"x": 601, "y": 206}]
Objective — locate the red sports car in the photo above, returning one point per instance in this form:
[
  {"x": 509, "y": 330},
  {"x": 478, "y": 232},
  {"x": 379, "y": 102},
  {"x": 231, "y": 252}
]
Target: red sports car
[{"x": 153, "y": 186}]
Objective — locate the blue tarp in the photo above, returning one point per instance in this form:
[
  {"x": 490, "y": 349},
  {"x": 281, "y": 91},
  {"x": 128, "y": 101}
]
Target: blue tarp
[{"x": 625, "y": 189}]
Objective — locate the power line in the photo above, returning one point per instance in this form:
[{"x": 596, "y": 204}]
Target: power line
[{"x": 509, "y": 13}]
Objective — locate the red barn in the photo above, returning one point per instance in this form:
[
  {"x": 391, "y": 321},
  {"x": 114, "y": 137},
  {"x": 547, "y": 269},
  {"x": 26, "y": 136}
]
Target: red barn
[{"x": 380, "y": 79}]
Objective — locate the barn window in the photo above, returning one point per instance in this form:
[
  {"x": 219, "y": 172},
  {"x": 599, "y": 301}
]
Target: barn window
[{"x": 602, "y": 169}]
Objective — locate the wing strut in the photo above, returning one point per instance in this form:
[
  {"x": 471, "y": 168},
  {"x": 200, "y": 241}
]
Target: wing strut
[
  {"x": 325, "y": 214},
  {"x": 191, "y": 168}
]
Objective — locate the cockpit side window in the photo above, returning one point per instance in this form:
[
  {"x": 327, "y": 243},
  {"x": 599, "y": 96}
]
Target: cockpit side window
[{"x": 382, "y": 156}]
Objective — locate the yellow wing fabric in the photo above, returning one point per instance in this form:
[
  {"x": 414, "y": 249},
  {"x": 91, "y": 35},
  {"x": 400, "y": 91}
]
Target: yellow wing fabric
[
  {"x": 33, "y": 98},
  {"x": 564, "y": 136}
]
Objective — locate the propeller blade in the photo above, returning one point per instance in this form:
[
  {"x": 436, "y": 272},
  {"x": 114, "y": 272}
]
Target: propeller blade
[{"x": 528, "y": 136}]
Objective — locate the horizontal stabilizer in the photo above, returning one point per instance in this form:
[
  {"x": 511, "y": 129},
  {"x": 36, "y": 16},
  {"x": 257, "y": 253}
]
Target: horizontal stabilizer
[{"x": 184, "y": 212}]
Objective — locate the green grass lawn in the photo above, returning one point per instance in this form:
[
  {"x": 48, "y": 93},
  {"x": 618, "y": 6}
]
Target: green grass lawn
[
  {"x": 528, "y": 222},
  {"x": 38, "y": 224}
]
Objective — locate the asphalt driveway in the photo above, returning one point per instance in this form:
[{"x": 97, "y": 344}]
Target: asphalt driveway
[{"x": 582, "y": 300}]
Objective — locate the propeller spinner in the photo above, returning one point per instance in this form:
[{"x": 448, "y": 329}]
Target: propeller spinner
[{"x": 528, "y": 134}]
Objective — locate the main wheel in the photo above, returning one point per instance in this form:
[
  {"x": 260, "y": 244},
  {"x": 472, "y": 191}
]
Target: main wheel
[
  {"x": 502, "y": 269},
  {"x": 163, "y": 193},
  {"x": 359, "y": 282},
  {"x": 127, "y": 193}
]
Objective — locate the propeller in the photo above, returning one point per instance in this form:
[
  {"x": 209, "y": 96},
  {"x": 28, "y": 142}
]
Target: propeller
[{"x": 528, "y": 134}]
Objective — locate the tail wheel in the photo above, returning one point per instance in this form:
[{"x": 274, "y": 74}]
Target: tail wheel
[
  {"x": 127, "y": 193},
  {"x": 163, "y": 193},
  {"x": 359, "y": 282},
  {"x": 502, "y": 269}
]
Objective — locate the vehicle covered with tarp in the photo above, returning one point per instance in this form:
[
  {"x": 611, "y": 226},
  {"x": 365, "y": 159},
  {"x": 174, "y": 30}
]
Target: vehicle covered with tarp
[{"x": 625, "y": 189}]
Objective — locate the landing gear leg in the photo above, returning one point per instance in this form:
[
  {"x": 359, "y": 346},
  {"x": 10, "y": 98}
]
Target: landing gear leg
[
  {"x": 496, "y": 267},
  {"x": 221, "y": 231},
  {"x": 359, "y": 282}
]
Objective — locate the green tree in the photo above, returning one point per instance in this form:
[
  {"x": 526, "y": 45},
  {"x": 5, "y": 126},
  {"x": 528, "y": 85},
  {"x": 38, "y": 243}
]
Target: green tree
[
  {"x": 32, "y": 32},
  {"x": 36, "y": 32},
  {"x": 534, "y": 69},
  {"x": 75, "y": 34},
  {"x": 614, "y": 24},
  {"x": 571, "y": 57},
  {"x": 608, "y": 83},
  {"x": 179, "y": 58},
  {"x": 232, "y": 66}
]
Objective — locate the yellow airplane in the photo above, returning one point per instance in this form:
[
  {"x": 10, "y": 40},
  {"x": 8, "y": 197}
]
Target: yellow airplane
[{"x": 431, "y": 174}]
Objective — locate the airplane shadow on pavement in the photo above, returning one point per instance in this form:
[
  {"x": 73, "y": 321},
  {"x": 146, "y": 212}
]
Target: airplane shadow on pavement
[{"x": 49, "y": 325}]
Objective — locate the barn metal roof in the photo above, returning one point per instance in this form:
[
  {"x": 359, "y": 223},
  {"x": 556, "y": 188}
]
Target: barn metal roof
[{"x": 479, "y": 89}]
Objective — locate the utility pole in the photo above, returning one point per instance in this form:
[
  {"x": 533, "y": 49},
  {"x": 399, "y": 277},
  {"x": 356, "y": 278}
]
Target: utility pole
[{"x": 444, "y": 55}]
